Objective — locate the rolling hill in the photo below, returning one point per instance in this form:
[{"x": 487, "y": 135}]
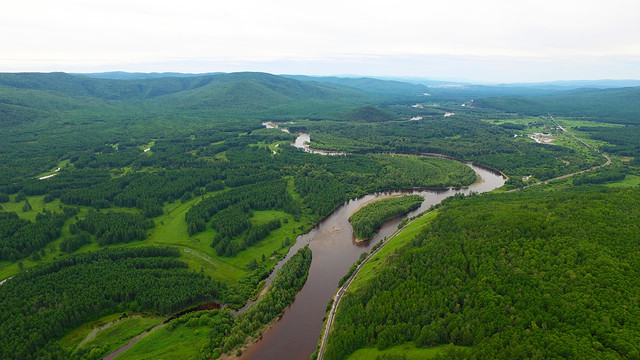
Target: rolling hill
[
  {"x": 618, "y": 105},
  {"x": 260, "y": 91}
]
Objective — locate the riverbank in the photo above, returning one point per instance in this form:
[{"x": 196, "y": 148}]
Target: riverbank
[
  {"x": 334, "y": 248},
  {"x": 382, "y": 248}
]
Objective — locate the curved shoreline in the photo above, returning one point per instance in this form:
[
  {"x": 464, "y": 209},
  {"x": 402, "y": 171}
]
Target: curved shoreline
[
  {"x": 343, "y": 289},
  {"x": 376, "y": 223},
  {"x": 335, "y": 250},
  {"x": 307, "y": 147}
]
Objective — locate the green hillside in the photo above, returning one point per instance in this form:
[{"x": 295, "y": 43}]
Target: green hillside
[
  {"x": 370, "y": 85},
  {"x": 535, "y": 274},
  {"x": 67, "y": 113},
  {"x": 619, "y": 106},
  {"x": 264, "y": 96},
  {"x": 368, "y": 114},
  {"x": 79, "y": 85}
]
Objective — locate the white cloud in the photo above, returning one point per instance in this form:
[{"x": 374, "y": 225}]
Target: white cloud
[{"x": 77, "y": 34}]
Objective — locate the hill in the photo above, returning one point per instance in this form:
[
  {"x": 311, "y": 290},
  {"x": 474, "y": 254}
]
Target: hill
[
  {"x": 368, "y": 114},
  {"x": 260, "y": 91},
  {"x": 79, "y": 85},
  {"x": 235, "y": 94},
  {"x": 619, "y": 105},
  {"x": 370, "y": 85},
  {"x": 539, "y": 274},
  {"x": 579, "y": 84},
  {"x": 47, "y": 116},
  {"x": 122, "y": 75}
]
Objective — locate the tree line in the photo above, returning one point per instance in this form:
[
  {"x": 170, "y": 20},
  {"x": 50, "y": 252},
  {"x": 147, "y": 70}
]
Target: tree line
[
  {"x": 39, "y": 306},
  {"x": 19, "y": 237},
  {"x": 282, "y": 291},
  {"x": 111, "y": 227},
  {"x": 226, "y": 246},
  {"x": 465, "y": 136},
  {"x": 261, "y": 196}
]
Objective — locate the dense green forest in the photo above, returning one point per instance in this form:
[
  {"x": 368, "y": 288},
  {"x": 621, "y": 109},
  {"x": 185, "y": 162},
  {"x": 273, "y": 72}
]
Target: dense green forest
[
  {"x": 41, "y": 305},
  {"x": 367, "y": 220},
  {"x": 154, "y": 194},
  {"x": 21, "y": 237},
  {"x": 464, "y": 136},
  {"x": 548, "y": 274}
]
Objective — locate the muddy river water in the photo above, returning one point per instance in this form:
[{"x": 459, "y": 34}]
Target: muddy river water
[{"x": 295, "y": 335}]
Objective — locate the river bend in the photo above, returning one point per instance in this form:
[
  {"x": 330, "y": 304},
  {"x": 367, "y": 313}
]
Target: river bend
[{"x": 295, "y": 335}]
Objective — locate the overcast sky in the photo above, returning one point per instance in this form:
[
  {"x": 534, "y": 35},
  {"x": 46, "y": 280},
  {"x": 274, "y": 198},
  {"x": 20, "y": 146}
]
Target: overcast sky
[{"x": 491, "y": 40}]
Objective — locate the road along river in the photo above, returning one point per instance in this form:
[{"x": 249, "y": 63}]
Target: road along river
[{"x": 295, "y": 335}]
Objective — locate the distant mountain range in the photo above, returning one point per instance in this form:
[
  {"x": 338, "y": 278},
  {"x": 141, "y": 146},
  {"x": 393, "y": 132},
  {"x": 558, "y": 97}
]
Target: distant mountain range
[
  {"x": 579, "y": 84},
  {"x": 25, "y": 96},
  {"x": 122, "y": 75},
  {"x": 155, "y": 84},
  {"x": 266, "y": 95},
  {"x": 133, "y": 86}
]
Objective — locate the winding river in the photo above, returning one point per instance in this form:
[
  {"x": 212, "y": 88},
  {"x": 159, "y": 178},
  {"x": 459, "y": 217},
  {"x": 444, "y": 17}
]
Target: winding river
[{"x": 295, "y": 335}]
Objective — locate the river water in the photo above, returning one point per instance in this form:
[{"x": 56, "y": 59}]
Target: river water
[{"x": 295, "y": 335}]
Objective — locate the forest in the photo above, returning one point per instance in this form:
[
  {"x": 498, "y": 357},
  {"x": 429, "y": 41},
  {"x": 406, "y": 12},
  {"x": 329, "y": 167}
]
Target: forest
[
  {"x": 466, "y": 135},
  {"x": 151, "y": 196},
  {"x": 539, "y": 273},
  {"x": 224, "y": 331},
  {"x": 41, "y": 305}
]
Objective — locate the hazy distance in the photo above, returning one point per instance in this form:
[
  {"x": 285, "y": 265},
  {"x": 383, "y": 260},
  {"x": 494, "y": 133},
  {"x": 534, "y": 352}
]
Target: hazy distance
[{"x": 490, "y": 41}]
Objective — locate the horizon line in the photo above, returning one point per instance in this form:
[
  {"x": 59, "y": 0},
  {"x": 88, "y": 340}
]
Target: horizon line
[{"x": 400, "y": 78}]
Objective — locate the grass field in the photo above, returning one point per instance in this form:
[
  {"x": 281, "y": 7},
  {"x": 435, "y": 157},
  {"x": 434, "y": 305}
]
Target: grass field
[
  {"x": 629, "y": 180},
  {"x": 572, "y": 125},
  {"x": 408, "y": 349},
  {"x": 148, "y": 146},
  {"x": 61, "y": 165},
  {"x": 180, "y": 343},
  {"x": 112, "y": 333},
  {"x": 171, "y": 230},
  {"x": 75, "y": 337},
  {"x": 51, "y": 251},
  {"x": 37, "y": 205},
  {"x": 529, "y": 120}
]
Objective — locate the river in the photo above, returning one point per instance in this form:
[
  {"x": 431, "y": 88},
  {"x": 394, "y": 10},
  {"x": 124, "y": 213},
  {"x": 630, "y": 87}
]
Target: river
[{"x": 295, "y": 335}]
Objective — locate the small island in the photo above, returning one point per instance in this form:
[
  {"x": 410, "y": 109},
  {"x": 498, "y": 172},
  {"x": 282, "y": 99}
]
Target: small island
[{"x": 368, "y": 219}]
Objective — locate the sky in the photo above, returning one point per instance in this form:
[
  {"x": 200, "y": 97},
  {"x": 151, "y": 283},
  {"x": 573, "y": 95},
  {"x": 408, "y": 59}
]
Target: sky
[{"x": 483, "y": 41}]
